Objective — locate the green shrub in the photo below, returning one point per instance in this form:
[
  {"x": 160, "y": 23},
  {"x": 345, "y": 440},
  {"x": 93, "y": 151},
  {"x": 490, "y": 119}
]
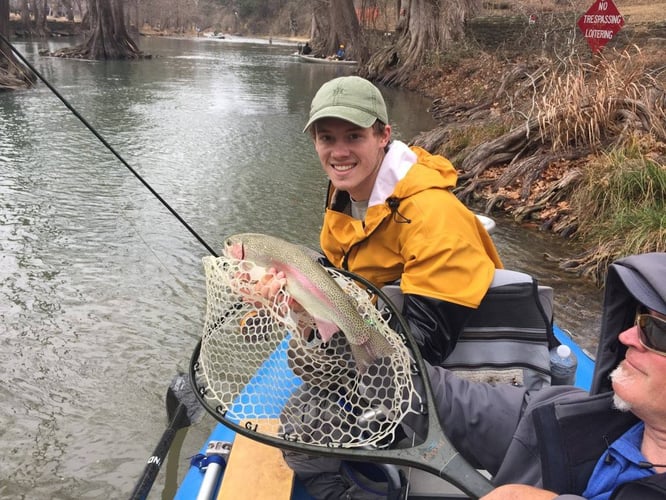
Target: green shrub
[{"x": 622, "y": 202}]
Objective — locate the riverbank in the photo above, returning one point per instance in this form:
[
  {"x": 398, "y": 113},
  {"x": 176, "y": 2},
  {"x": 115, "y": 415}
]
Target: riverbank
[
  {"x": 532, "y": 141},
  {"x": 573, "y": 146}
]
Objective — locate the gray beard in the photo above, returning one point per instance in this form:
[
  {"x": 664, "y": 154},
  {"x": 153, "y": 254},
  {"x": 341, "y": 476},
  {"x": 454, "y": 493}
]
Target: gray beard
[{"x": 619, "y": 375}]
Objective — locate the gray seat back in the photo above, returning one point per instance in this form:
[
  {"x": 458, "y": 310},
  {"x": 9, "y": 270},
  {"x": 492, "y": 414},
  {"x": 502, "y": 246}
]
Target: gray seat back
[{"x": 507, "y": 338}]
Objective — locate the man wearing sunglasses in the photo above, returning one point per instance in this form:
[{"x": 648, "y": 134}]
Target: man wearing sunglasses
[{"x": 561, "y": 442}]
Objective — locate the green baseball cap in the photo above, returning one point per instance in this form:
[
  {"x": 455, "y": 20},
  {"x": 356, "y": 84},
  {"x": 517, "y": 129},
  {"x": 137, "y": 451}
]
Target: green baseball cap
[{"x": 349, "y": 98}]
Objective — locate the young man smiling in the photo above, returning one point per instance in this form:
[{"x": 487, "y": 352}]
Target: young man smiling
[{"x": 391, "y": 215}]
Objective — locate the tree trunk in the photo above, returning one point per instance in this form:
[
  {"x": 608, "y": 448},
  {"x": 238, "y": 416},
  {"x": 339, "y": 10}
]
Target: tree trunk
[
  {"x": 84, "y": 13},
  {"x": 108, "y": 38},
  {"x": 69, "y": 10},
  {"x": 25, "y": 16},
  {"x": 334, "y": 23},
  {"x": 320, "y": 27},
  {"x": 13, "y": 75},
  {"x": 41, "y": 12},
  {"x": 431, "y": 27},
  {"x": 4, "y": 22}
]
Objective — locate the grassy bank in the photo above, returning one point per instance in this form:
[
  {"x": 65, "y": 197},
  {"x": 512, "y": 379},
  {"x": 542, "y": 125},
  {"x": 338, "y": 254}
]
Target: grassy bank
[{"x": 572, "y": 145}]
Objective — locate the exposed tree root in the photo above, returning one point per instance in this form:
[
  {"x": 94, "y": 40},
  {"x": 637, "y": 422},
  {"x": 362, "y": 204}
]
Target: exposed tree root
[
  {"x": 511, "y": 145},
  {"x": 531, "y": 171},
  {"x": 591, "y": 264},
  {"x": 96, "y": 49},
  {"x": 14, "y": 76},
  {"x": 12, "y": 81}
]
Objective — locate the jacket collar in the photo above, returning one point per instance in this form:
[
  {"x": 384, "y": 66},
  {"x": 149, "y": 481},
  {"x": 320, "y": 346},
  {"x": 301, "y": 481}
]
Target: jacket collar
[{"x": 395, "y": 166}]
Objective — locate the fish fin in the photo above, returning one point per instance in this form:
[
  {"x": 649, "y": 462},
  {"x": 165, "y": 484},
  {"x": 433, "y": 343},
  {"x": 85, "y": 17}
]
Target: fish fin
[
  {"x": 375, "y": 342},
  {"x": 362, "y": 358},
  {"x": 381, "y": 347},
  {"x": 313, "y": 254},
  {"x": 326, "y": 329},
  {"x": 375, "y": 347}
]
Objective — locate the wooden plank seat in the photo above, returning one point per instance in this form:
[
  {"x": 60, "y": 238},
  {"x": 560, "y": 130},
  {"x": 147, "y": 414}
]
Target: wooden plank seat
[{"x": 256, "y": 471}]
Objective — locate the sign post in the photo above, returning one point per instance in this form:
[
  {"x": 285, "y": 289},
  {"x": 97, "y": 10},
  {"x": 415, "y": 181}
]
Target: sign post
[{"x": 600, "y": 24}]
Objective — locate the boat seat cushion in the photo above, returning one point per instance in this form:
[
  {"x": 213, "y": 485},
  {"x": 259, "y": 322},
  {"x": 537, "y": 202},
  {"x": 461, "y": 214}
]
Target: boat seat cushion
[{"x": 507, "y": 339}]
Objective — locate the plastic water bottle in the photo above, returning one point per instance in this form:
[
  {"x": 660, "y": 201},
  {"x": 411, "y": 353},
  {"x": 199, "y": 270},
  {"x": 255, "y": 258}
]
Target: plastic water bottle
[{"x": 563, "y": 364}]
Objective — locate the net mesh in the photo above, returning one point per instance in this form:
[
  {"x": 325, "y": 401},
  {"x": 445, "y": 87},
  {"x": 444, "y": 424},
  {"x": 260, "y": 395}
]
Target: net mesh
[{"x": 260, "y": 361}]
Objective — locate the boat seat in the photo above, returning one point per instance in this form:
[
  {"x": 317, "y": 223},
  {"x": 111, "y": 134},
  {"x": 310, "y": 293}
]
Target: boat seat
[{"x": 507, "y": 339}]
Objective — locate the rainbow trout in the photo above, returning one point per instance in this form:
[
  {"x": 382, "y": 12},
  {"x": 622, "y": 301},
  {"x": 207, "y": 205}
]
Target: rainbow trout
[{"x": 316, "y": 291}]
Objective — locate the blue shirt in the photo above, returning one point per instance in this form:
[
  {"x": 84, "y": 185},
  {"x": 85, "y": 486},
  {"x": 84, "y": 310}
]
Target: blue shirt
[{"x": 618, "y": 465}]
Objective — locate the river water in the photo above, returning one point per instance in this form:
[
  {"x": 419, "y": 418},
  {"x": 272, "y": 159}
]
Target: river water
[{"x": 102, "y": 292}]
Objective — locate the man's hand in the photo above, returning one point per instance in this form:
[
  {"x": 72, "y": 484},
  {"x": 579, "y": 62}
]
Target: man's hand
[
  {"x": 271, "y": 283},
  {"x": 519, "y": 492},
  {"x": 268, "y": 286}
]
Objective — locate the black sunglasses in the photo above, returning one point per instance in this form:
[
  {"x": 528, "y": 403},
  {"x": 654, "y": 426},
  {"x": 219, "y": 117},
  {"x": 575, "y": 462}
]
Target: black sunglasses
[{"x": 652, "y": 333}]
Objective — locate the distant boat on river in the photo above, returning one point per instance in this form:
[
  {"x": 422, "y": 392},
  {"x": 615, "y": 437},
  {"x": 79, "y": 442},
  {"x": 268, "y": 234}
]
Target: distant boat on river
[{"x": 322, "y": 60}]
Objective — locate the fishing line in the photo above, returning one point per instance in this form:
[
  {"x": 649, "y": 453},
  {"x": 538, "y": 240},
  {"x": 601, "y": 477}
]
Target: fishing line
[{"x": 108, "y": 146}]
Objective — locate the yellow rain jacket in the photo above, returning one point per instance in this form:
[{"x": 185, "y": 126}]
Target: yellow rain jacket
[{"x": 415, "y": 230}]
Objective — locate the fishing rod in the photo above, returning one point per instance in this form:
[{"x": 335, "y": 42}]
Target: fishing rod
[{"x": 108, "y": 146}]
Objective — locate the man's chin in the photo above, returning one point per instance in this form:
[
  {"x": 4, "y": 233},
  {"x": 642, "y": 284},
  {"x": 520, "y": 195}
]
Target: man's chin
[
  {"x": 620, "y": 404},
  {"x": 619, "y": 377}
]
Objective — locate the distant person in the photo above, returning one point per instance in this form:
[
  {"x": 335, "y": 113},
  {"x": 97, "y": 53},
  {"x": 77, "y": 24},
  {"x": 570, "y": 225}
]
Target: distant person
[
  {"x": 306, "y": 50},
  {"x": 340, "y": 54}
]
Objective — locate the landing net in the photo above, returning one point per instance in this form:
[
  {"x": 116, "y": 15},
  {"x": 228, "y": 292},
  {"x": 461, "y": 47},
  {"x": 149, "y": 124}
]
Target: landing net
[{"x": 261, "y": 361}]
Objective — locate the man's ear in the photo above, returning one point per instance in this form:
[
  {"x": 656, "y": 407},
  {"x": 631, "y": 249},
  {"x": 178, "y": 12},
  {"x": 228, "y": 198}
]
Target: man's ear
[{"x": 386, "y": 135}]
